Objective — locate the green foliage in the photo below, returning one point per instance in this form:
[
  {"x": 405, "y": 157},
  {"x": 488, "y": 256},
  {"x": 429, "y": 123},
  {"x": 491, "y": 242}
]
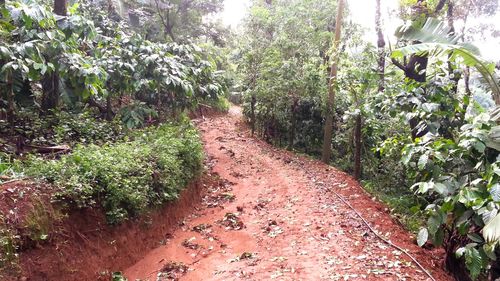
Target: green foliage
[
  {"x": 220, "y": 105},
  {"x": 5, "y": 164},
  {"x": 65, "y": 127},
  {"x": 126, "y": 178},
  {"x": 135, "y": 115},
  {"x": 283, "y": 58},
  {"x": 176, "y": 20},
  {"x": 461, "y": 175},
  {"x": 84, "y": 128},
  {"x": 118, "y": 276},
  {"x": 100, "y": 61},
  {"x": 8, "y": 245},
  {"x": 435, "y": 38}
]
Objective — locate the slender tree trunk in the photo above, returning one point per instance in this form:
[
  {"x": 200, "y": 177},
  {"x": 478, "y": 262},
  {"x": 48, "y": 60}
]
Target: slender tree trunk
[
  {"x": 357, "y": 147},
  {"x": 50, "y": 81},
  {"x": 50, "y": 87},
  {"x": 109, "y": 108},
  {"x": 10, "y": 101},
  {"x": 295, "y": 102},
  {"x": 358, "y": 139},
  {"x": 60, "y": 7},
  {"x": 2, "y": 6},
  {"x": 328, "y": 130},
  {"x": 455, "y": 76},
  {"x": 467, "y": 81},
  {"x": 381, "y": 48},
  {"x": 252, "y": 113}
]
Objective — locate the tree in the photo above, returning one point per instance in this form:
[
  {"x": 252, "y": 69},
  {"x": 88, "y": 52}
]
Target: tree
[
  {"x": 282, "y": 59},
  {"x": 415, "y": 68},
  {"x": 50, "y": 82},
  {"x": 328, "y": 129},
  {"x": 181, "y": 20},
  {"x": 381, "y": 47}
]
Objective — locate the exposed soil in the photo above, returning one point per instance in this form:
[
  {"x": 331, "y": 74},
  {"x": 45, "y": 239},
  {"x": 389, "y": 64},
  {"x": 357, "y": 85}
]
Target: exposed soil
[
  {"x": 273, "y": 216},
  {"x": 81, "y": 245}
]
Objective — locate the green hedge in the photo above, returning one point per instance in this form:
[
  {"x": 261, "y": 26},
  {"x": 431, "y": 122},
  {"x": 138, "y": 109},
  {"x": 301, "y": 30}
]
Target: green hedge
[{"x": 128, "y": 177}]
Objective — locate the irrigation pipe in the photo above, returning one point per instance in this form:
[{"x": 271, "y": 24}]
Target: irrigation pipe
[{"x": 382, "y": 238}]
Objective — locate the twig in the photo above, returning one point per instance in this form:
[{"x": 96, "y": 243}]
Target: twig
[
  {"x": 382, "y": 238},
  {"x": 13, "y": 180}
]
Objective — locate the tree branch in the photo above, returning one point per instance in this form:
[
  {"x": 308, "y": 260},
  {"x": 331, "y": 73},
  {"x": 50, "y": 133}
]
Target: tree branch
[
  {"x": 439, "y": 6},
  {"x": 398, "y": 64},
  {"x": 166, "y": 23}
]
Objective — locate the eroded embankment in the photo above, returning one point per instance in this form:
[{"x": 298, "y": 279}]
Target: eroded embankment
[{"x": 81, "y": 245}]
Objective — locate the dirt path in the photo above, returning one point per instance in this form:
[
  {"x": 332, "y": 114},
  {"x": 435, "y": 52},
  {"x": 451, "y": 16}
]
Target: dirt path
[{"x": 271, "y": 216}]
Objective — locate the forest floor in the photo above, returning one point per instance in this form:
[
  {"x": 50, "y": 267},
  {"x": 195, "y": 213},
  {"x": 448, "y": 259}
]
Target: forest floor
[{"x": 273, "y": 216}]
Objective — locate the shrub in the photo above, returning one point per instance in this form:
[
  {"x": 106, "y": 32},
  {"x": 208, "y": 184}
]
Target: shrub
[
  {"x": 85, "y": 128},
  {"x": 64, "y": 127},
  {"x": 461, "y": 176},
  {"x": 222, "y": 104},
  {"x": 128, "y": 177}
]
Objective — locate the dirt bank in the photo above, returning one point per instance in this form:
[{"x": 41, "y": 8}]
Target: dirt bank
[{"x": 82, "y": 246}]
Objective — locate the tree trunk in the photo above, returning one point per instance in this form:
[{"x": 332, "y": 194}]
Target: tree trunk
[
  {"x": 10, "y": 102},
  {"x": 60, "y": 7},
  {"x": 295, "y": 103},
  {"x": 467, "y": 81},
  {"x": 252, "y": 113},
  {"x": 381, "y": 48},
  {"x": 455, "y": 76},
  {"x": 50, "y": 81},
  {"x": 357, "y": 147},
  {"x": 328, "y": 129},
  {"x": 101, "y": 108},
  {"x": 109, "y": 108},
  {"x": 50, "y": 87}
]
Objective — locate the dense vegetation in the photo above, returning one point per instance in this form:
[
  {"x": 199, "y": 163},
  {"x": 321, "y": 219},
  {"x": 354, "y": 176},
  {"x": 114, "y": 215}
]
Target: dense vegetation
[
  {"x": 92, "y": 108},
  {"x": 127, "y": 177},
  {"x": 418, "y": 123}
]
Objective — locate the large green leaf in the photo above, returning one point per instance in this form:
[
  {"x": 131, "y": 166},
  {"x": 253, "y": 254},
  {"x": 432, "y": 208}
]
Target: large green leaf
[
  {"x": 422, "y": 237},
  {"x": 495, "y": 192},
  {"x": 473, "y": 261},
  {"x": 434, "y": 39},
  {"x": 491, "y": 231}
]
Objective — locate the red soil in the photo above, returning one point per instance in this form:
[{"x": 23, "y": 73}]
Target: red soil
[
  {"x": 81, "y": 245},
  {"x": 292, "y": 226}
]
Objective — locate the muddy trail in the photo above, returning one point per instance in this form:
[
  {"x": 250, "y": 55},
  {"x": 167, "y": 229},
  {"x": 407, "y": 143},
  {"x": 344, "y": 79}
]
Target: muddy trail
[{"x": 272, "y": 215}]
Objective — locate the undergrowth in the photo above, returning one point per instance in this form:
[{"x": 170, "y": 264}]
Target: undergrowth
[
  {"x": 127, "y": 177},
  {"x": 8, "y": 246},
  {"x": 62, "y": 127},
  {"x": 220, "y": 105}
]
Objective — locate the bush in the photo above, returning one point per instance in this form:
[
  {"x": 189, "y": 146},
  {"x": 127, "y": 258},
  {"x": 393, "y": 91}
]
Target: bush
[
  {"x": 126, "y": 178},
  {"x": 221, "y": 104},
  {"x": 86, "y": 128},
  {"x": 63, "y": 127}
]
